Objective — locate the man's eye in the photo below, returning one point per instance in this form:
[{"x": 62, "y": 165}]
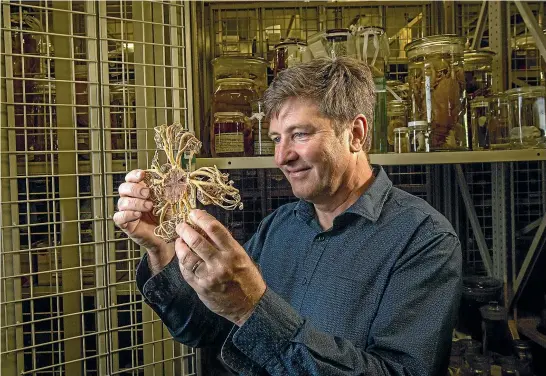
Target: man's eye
[
  {"x": 276, "y": 139},
  {"x": 299, "y": 134}
]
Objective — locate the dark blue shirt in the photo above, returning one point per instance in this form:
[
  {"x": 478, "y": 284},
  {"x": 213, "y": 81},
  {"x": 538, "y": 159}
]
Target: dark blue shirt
[{"x": 377, "y": 294}]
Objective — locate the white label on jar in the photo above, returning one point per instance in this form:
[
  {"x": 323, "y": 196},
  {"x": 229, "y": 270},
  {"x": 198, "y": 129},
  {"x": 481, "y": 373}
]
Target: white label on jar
[
  {"x": 266, "y": 148},
  {"x": 229, "y": 143}
]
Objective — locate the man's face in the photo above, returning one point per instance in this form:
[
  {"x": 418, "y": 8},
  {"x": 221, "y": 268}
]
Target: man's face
[{"x": 307, "y": 150}]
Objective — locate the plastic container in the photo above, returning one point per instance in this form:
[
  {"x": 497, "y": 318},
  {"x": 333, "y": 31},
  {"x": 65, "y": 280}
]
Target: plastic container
[
  {"x": 527, "y": 113},
  {"x": 495, "y": 334},
  {"x": 401, "y": 140},
  {"x": 477, "y": 291},
  {"x": 288, "y": 54},
  {"x": 437, "y": 89},
  {"x": 396, "y": 118},
  {"x": 477, "y": 71},
  {"x": 247, "y": 67},
  {"x": 232, "y": 135}
]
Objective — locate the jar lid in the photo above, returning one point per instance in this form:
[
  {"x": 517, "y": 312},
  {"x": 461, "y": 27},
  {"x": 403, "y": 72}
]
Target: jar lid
[
  {"x": 332, "y": 33},
  {"x": 229, "y": 114},
  {"x": 291, "y": 42},
  {"x": 437, "y": 43},
  {"x": 401, "y": 129},
  {"x": 396, "y": 104},
  {"x": 481, "y": 288},
  {"x": 494, "y": 311},
  {"x": 521, "y": 344},
  {"x": 527, "y": 92},
  {"x": 371, "y": 30},
  {"x": 235, "y": 80},
  {"x": 480, "y": 102},
  {"x": 481, "y": 54},
  {"x": 418, "y": 123},
  {"x": 239, "y": 59}
]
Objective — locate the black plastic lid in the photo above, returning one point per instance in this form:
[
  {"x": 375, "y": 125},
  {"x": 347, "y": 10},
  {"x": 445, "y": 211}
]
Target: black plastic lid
[
  {"x": 493, "y": 311},
  {"x": 482, "y": 288}
]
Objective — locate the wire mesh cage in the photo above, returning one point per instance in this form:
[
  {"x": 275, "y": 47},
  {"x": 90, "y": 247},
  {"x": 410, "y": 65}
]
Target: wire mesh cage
[{"x": 85, "y": 83}]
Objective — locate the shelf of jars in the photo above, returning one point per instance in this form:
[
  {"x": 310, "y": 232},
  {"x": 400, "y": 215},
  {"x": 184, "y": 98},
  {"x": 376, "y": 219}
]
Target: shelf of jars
[{"x": 394, "y": 159}]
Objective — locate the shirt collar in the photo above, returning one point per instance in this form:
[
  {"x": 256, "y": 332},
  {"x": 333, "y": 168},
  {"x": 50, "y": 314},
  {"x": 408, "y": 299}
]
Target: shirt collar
[{"x": 368, "y": 205}]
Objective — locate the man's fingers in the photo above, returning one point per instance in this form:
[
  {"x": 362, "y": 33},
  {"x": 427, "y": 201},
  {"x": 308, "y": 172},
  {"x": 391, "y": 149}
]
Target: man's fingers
[
  {"x": 123, "y": 218},
  {"x": 196, "y": 242},
  {"x": 135, "y": 176},
  {"x": 217, "y": 233},
  {"x": 187, "y": 259},
  {"x": 135, "y": 204},
  {"x": 134, "y": 190}
]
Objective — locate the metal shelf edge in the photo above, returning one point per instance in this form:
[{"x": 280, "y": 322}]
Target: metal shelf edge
[{"x": 394, "y": 159}]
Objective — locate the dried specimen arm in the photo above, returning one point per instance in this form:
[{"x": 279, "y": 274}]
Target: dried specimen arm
[{"x": 174, "y": 191}]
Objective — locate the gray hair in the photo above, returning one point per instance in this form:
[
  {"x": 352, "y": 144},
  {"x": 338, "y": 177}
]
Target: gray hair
[{"x": 341, "y": 87}]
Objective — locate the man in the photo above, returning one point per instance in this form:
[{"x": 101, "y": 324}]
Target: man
[{"x": 357, "y": 278}]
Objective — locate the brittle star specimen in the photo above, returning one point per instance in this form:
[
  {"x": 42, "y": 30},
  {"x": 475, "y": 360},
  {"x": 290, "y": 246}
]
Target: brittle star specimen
[{"x": 174, "y": 190}]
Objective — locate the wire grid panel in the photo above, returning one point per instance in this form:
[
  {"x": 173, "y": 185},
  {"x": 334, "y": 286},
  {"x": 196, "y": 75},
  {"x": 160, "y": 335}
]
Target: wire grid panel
[
  {"x": 529, "y": 204},
  {"x": 478, "y": 179},
  {"x": 467, "y": 15},
  {"x": 527, "y": 66},
  {"x": 85, "y": 82}
]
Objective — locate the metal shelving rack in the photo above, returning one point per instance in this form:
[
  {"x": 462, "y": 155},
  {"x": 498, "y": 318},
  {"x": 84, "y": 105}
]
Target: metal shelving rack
[{"x": 483, "y": 193}]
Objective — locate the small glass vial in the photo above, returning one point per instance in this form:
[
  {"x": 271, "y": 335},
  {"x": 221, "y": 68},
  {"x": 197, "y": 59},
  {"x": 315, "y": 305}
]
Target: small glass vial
[
  {"x": 401, "y": 140},
  {"x": 479, "y": 111},
  {"x": 396, "y": 118},
  {"x": 419, "y": 136},
  {"x": 228, "y": 138}
]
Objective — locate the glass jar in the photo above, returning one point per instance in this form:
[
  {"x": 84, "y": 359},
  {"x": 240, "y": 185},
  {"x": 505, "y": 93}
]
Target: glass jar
[
  {"x": 419, "y": 136},
  {"x": 372, "y": 46},
  {"x": 337, "y": 43},
  {"x": 234, "y": 94},
  {"x": 479, "y": 116},
  {"x": 528, "y": 116},
  {"x": 401, "y": 140},
  {"x": 477, "y": 72},
  {"x": 498, "y": 122},
  {"x": 247, "y": 67},
  {"x": 229, "y": 137},
  {"x": 436, "y": 89},
  {"x": 263, "y": 145},
  {"x": 396, "y": 118},
  {"x": 288, "y": 54}
]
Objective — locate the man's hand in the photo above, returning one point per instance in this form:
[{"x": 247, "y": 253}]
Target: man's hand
[
  {"x": 225, "y": 278},
  {"x": 135, "y": 218}
]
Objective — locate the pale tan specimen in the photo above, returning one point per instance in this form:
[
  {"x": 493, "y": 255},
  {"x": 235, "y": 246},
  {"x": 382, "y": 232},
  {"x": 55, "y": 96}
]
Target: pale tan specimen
[{"x": 174, "y": 190}]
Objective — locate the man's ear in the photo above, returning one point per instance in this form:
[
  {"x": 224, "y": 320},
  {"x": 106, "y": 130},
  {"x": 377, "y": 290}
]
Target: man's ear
[{"x": 358, "y": 133}]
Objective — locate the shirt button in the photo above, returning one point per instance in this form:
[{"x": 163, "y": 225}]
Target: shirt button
[
  {"x": 304, "y": 281},
  {"x": 320, "y": 238}
]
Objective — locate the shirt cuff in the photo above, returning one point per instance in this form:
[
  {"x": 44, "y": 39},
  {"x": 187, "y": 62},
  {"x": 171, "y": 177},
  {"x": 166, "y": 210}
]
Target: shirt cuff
[
  {"x": 269, "y": 330},
  {"x": 161, "y": 288}
]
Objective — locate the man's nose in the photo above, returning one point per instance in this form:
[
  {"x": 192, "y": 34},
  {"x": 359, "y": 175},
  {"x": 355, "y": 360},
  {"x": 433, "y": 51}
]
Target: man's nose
[{"x": 284, "y": 153}]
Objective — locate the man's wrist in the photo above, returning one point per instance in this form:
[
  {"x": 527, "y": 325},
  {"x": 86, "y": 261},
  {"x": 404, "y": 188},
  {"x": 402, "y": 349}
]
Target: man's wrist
[{"x": 160, "y": 257}]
